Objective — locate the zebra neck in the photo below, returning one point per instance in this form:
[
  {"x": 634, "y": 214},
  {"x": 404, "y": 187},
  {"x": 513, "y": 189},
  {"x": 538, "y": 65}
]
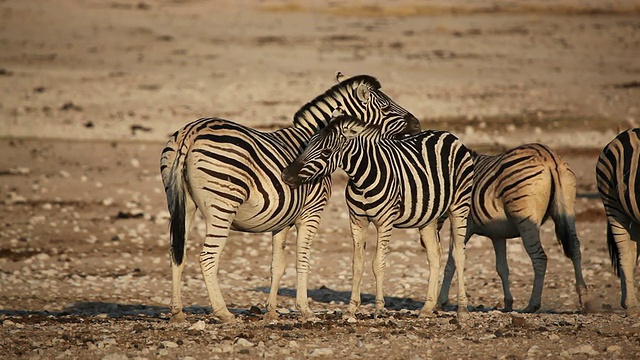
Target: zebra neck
[
  {"x": 367, "y": 163},
  {"x": 316, "y": 114},
  {"x": 293, "y": 137}
]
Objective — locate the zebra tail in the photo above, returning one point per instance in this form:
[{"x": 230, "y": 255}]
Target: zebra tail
[
  {"x": 177, "y": 199},
  {"x": 563, "y": 212},
  {"x": 614, "y": 253}
]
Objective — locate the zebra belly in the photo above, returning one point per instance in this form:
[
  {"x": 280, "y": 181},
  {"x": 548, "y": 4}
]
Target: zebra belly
[
  {"x": 497, "y": 227},
  {"x": 250, "y": 217}
]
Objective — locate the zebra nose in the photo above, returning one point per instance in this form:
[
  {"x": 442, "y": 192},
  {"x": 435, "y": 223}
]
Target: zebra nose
[
  {"x": 290, "y": 177},
  {"x": 413, "y": 124}
]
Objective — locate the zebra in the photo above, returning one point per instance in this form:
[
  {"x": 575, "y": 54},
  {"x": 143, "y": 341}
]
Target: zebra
[
  {"x": 231, "y": 173},
  {"x": 514, "y": 193},
  {"x": 618, "y": 179},
  {"x": 402, "y": 183}
]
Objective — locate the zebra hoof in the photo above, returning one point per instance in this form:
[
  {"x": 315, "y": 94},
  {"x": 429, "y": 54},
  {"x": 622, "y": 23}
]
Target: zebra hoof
[
  {"x": 633, "y": 311},
  {"x": 463, "y": 314},
  {"x": 530, "y": 309},
  {"x": 271, "y": 315},
  {"x": 177, "y": 318},
  {"x": 423, "y": 314}
]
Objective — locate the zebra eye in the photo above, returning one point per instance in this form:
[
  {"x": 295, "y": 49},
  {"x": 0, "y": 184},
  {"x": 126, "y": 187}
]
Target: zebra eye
[{"x": 325, "y": 153}]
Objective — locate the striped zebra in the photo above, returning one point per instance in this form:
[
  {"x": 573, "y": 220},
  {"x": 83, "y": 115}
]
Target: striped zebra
[
  {"x": 618, "y": 178},
  {"x": 514, "y": 193},
  {"x": 231, "y": 173},
  {"x": 402, "y": 183}
]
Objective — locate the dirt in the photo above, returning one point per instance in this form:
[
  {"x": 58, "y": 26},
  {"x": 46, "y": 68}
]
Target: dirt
[{"x": 89, "y": 91}]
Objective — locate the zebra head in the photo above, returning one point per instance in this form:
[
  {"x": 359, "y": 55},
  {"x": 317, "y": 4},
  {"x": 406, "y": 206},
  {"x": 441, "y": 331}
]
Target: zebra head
[
  {"x": 325, "y": 150},
  {"x": 361, "y": 97}
]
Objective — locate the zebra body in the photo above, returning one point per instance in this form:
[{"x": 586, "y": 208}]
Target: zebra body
[
  {"x": 514, "y": 193},
  {"x": 618, "y": 178},
  {"x": 231, "y": 173},
  {"x": 403, "y": 183}
]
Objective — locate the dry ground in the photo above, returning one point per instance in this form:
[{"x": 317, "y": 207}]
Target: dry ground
[{"x": 90, "y": 89}]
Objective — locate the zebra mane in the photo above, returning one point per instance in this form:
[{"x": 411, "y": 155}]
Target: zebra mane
[{"x": 315, "y": 114}]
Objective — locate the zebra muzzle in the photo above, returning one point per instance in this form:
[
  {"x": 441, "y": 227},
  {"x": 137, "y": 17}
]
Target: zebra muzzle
[{"x": 290, "y": 177}]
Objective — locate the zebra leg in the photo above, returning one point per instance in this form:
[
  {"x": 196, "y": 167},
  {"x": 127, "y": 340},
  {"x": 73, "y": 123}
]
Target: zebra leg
[
  {"x": 530, "y": 233},
  {"x": 306, "y": 231},
  {"x": 502, "y": 267},
  {"x": 449, "y": 270},
  {"x": 460, "y": 235},
  {"x": 218, "y": 225},
  {"x": 430, "y": 240},
  {"x": 380, "y": 264},
  {"x": 628, "y": 252},
  {"x": 277, "y": 270},
  {"x": 177, "y": 315},
  {"x": 358, "y": 230}
]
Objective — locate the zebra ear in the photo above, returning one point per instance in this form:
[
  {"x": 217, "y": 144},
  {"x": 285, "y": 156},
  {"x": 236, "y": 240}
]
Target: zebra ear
[
  {"x": 363, "y": 92},
  {"x": 351, "y": 130}
]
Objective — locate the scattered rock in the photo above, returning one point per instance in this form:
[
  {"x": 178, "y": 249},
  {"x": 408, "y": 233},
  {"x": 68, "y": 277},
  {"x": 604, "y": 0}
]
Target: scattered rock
[{"x": 321, "y": 352}]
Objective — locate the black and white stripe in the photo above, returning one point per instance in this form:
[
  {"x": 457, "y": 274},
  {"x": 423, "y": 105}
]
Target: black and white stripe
[
  {"x": 231, "y": 173},
  {"x": 514, "y": 193},
  {"x": 618, "y": 178},
  {"x": 402, "y": 183}
]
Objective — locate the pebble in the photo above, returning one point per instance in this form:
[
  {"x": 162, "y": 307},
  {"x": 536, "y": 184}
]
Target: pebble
[
  {"x": 169, "y": 344},
  {"x": 244, "y": 342},
  {"x": 199, "y": 325},
  {"x": 583, "y": 349},
  {"x": 613, "y": 348},
  {"x": 321, "y": 352}
]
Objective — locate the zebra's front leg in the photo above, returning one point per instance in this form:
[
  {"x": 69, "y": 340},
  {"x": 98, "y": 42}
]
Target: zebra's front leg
[
  {"x": 430, "y": 241},
  {"x": 380, "y": 264},
  {"x": 277, "y": 270},
  {"x": 177, "y": 315},
  {"x": 530, "y": 233},
  {"x": 358, "y": 230},
  {"x": 502, "y": 267}
]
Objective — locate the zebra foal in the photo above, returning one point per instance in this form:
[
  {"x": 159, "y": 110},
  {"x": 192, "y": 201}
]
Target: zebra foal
[
  {"x": 514, "y": 193},
  {"x": 618, "y": 179},
  {"x": 231, "y": 173},
  {"x": 402, "y": 183}
]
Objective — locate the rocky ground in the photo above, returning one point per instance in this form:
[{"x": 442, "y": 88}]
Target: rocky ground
[{"x": 90, "y": 89}]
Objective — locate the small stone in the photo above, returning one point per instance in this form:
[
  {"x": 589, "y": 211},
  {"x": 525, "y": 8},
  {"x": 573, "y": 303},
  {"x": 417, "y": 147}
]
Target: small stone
[
  {"x": 244, "y": 342},
  {"x": 554, "y": 337},
  {"x": 199, "y": 325},
  {"x": 169, "y": 344},
  {"x": 583, "y": 349},
  {"x": 613, "y": 348},
  {"x": 293, "y": 344},
  {"x": 518, "y": 321},
  {"x": 321, "y": 352}
]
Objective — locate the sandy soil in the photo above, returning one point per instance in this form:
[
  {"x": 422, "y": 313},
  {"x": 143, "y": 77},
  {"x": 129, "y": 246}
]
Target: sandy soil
[{"x": 90, "y": 89}]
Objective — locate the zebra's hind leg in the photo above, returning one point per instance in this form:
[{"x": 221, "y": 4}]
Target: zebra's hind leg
[
  {"x": 177, "y": 314},
  {"x": 277, "y": 270},
  {"x": 530, "y": 233},
  {"x": 358, "y": 230},
  {"x": 218, "y": 224},
  {"x": 626, "y": 240},
  {"x": 460, "y": 234},
  {"x": 449, "y": 270},
  {"x": 430, "y": 241},
  {"x": 306, "y": 229},
  {"x": 502, "y": 267},
  {"x": 380, "y": 264}
]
